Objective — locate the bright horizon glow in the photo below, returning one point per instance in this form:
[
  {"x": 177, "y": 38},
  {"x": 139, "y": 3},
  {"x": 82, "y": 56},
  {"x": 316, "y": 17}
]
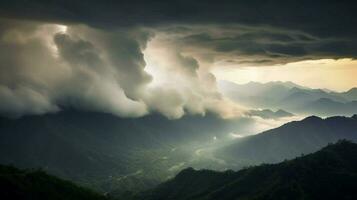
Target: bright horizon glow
[{"x": 337, "y": 75}]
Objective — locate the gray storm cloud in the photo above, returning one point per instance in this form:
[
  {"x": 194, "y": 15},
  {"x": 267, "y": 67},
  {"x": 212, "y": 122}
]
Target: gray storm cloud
[
  {"x": 237, "y": 32},
  {"x": 45, "y": 67},
  {"x": 242, "y": 45},
  {"x": 135, "y": 57}
]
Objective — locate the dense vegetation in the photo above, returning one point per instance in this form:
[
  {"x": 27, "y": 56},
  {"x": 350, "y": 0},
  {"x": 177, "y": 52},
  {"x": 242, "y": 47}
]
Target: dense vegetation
[
  {"x": 330, "y": 173},
  {"x": 289, "y": 140},
  {"x": 103, "y": 151},
  {"x": 112, "y": 154},
  {"x": 38, "y": 185}
]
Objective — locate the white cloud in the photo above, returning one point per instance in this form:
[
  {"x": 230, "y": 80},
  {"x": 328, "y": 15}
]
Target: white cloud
[{"x": 47, "y": 66}]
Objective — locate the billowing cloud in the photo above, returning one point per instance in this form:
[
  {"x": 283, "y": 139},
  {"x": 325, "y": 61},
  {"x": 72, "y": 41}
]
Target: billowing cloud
[
  {"x": 131, "y": 58},
  {"x": 181, "y": 78},
  {"x": 48, "y": 66}
]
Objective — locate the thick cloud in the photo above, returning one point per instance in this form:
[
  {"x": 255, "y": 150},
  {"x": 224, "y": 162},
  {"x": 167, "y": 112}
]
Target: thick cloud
[
  {"x": 48, "y": 66},
  {"x": 270, "y": 32},
  {"x": 136, "y": 57},
  {"x": 181, "y": 82},
  {"x": 44, "y": 68},
  {"x": 277, "y": 31},
  {"x": 319, "y": 17},
  {"x": 250, "y": 45}
]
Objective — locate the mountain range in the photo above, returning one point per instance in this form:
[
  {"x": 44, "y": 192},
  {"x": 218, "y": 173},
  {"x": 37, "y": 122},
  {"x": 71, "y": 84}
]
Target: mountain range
[
  {"x": 106, "y": 152},
  {"x": 290, "y": 140},
  {"x": 269, "y": 114},
  {"x": 291, "y": 97},
  {"x": 330, "y": 173}
]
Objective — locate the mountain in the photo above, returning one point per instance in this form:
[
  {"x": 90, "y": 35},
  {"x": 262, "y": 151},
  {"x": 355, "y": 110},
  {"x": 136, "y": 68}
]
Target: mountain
[
  {"x": 256, "y": 88},
  {"x": 350, "y": 94},
  {"x": 330, "y": 173},
  {"x": 290, "y": 140},
  {"x": 328, "y": 107},
  {"x": 256, "y": 94},
  {"x": 36, "y": 184},
  {"x": 106, "y": 152},
  {"x": 269, "y": 114},
  {"x": 298, "y": 100},
  {"x": 291, "y": 97},
  {"x": 318, "y": 93}
]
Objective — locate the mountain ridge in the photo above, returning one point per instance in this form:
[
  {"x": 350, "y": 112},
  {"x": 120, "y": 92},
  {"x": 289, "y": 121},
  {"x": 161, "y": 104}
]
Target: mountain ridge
[
  {"x": 330, "y": 173},
  {"x": 36, "y": 184},
  {"x": 291, "y": 97},
  {"x": 289, "y": 140},
  {"x": 100, "y": 150}
]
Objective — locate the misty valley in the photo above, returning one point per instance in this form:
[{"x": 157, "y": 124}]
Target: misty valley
[
  {"x": 128, "y": 157},
  {"x": 178, "y": 100}
]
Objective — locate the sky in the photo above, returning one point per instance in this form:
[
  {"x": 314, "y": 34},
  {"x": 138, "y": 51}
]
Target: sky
[
  {"x": 337, "y": 75},
  {"x": 132, "y": 58}
]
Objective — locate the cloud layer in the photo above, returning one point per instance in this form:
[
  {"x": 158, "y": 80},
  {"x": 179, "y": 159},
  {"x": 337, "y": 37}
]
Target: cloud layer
[
  {"x": 48, "y": 66},
  {"x": 137, "y": 57}
]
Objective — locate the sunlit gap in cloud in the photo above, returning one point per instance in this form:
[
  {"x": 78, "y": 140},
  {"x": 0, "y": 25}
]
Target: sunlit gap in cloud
[
  {"x": 181, "y": 77},
  {"x": 163, "y": 63},
  {"x": 48, "y": 31},
  {"x": 152, "y": 68},
  {"x": 324, "y": 73}
]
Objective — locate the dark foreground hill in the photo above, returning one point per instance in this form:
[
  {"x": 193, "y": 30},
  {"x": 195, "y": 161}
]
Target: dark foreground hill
[
  {"x": 330, "y": 173},
  {"x": 290, "y": 140},
  {"x": 37, "y": 185}
]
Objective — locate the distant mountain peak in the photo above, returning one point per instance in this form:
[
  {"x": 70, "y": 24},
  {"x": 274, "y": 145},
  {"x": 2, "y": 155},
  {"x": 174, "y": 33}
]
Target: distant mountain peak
[
  {"x": 281, "y": 111},
  {"x": 288, "y": 84},
  {"x": 354, "y": 116},
  {"x": 312, "y": 118},
  {"x": 342, "y": 142},
  {"x": 187, "y": 170},
  {"x": 296, "y": 89},
  {"x": 352, "y": 90},
  {"x": 269, "y": 114}
]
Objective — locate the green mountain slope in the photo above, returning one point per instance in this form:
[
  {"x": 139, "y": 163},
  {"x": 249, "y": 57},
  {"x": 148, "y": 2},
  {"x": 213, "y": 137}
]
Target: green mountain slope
[
  {"x": 330, "y": 173},
  {"x": 104, "y": 151},
  {"x": 37, "y": 185},
  {"x": 290, "y": 140}
]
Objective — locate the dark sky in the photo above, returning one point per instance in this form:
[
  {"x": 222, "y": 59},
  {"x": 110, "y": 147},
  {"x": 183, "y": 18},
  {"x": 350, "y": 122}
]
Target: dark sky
[
  {"x": 318, "y": 17},
  {"x": 331, "y": 23}
]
